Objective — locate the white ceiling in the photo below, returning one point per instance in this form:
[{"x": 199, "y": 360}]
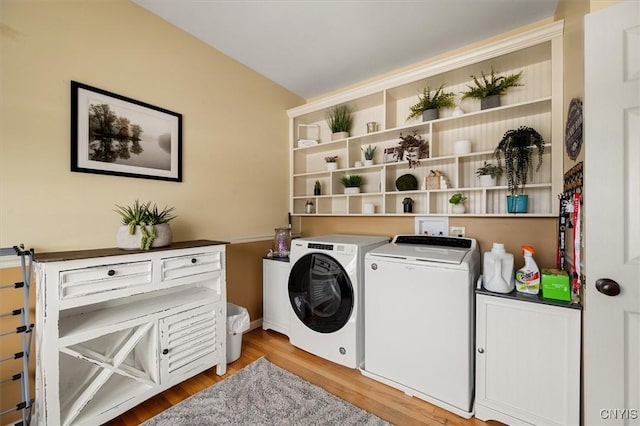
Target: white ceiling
[{"x": 312, "y": 47}]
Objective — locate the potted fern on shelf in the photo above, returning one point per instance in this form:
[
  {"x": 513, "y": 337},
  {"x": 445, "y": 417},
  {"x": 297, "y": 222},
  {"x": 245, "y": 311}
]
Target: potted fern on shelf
[
  {"x": 339, "y": 120},
  {"x": 489, "y": 88},
  {"x": 352, "y": 183},
  {"x": 428, "y": 105},
  {"x": 517, "y": 146},
  {"x": 144, "y": 226}
]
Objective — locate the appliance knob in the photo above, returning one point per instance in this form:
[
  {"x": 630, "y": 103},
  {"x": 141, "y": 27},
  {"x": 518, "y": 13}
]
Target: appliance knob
[
  {"x": 480, "y": 350},
  {"x": 608, "y": 286}
]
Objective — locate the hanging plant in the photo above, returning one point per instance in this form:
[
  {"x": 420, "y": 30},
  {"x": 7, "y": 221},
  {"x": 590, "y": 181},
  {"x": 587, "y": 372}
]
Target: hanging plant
[{"x": 517, "y": 147}]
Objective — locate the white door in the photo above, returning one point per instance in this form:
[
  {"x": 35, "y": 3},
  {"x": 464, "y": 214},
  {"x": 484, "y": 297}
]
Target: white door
[{"x": 612, "y": 215}]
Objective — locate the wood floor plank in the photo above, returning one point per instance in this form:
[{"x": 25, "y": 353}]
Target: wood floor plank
[{"x": 349, "y": 384}]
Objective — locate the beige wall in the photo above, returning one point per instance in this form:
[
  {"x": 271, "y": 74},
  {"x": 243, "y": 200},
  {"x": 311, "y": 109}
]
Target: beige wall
[{"x": 235, "y": 127}]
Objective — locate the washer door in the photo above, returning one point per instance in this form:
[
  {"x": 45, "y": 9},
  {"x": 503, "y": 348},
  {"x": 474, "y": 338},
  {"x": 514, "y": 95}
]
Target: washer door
[{"x": 320, "y": 292}]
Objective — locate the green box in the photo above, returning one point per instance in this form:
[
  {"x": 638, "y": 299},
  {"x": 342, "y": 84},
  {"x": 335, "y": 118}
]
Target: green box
[{"x": 556, "y": 285}]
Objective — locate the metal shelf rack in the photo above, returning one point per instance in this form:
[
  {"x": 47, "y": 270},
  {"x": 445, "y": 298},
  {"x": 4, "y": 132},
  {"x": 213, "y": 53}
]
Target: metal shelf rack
[{"x": 24, "y": 329}]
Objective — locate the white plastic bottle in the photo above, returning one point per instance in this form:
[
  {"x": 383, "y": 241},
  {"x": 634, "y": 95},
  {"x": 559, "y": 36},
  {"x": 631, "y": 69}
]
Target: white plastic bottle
[
  {"x": 498, "y": 270},
  {"x": 528, "y": 277}
]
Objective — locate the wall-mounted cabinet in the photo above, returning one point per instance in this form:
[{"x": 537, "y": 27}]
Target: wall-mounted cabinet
[{"x": 537, "y": 103}]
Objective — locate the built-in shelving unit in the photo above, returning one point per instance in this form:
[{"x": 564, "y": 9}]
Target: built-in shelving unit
[{"x": 537, "y": 104}]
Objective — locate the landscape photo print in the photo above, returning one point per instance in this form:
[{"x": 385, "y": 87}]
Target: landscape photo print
[{"x": 115, "y": 135}]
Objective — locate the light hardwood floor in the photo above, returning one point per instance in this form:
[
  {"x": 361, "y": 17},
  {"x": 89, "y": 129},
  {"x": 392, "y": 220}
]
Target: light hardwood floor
[{"x": 349, "y": 384}]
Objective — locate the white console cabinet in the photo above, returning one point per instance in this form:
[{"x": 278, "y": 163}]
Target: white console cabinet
[
  {"x": 527, "y": 360},
  {"x": 275, "y": 305},
  {"x": 115, "y": 327}
]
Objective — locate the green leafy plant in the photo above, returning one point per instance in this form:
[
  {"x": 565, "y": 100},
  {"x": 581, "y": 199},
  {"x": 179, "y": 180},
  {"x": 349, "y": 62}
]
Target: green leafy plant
[
  {"x": 491, "y": 85},
  {"x": 440, "y": 99},
  {"x": 368, "y": 152},
  {"x": 414, "y": 141},
  {"x": 457, "y": 198},
  {"x": 340, "y": 119},
  {"x": 516, "y": 146},
  {"x": 331, "y": 159},
  {"x": 144, "y": 215},
  {"x": 352, "y": 181},
  {"x": 488, "y": 169},
  {"x": 407, "y": 200}
]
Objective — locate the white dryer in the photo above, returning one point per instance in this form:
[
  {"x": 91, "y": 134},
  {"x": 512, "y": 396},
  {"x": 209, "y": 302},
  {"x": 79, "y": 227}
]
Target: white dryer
[
  {"x": 419, "y": 318},
  {"x": 326, "y": 295}
]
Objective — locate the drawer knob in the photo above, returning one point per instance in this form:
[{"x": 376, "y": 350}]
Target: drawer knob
[
  {"x": 480, "y": 350},
  {"x": 194, "y": 260},
  {"x": 111, "y": 272},
  {"x": 165, "y": 351}
]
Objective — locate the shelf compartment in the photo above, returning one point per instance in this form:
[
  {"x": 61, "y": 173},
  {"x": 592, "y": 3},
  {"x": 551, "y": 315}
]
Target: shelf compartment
[{"x": 82, "y": 326}]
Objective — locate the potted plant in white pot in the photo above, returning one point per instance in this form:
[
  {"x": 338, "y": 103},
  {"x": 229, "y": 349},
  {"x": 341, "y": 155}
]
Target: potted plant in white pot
[
  {"x": 456, "y": 201},
  {"x": 332, "y": 162},
  {"x": 339, "y": 120},
  {"x": 516, "y": 146},
  {"x": 368, "y": 155},
  {"x": 489, "y": 88},
  {"x": 352, "y": 183},
  {"x": 428, "y": 105},
  {"x": 489, "y": 174},
  {"x": 143, "y": 226}
]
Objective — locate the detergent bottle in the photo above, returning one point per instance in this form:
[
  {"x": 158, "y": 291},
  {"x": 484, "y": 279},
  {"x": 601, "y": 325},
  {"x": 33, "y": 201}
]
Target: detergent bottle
[
  {"x": 528, "y": 277},
  {"x": 498, "y": 270}
]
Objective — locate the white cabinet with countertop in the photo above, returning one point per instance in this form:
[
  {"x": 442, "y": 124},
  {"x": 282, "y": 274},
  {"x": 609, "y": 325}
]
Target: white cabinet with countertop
[
  {"x": 527, "y": 360},
  {"x": 275, "y": 302},
  {"x": 115, "y": 327}
]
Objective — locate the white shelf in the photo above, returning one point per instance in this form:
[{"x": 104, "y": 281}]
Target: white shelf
[{"x": 537, "y": 104}]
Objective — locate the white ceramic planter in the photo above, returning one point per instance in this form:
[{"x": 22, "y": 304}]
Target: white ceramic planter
[
  {"x": 332, "y": 166},
  {"x": 487, "y": 180},
  {"x": 352, "y": 190},
  {"x": 368, "y": 162},
  {"x": 126, "y": 241},
  {"x": 462, "y": 147},
  {"x": 458, "y": 208},
  {"x": 368, "y": 208}
]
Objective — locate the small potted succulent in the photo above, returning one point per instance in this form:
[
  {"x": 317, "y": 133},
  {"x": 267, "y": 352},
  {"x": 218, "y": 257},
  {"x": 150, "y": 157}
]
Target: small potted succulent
[
  {"x": 332, "y": 162},
  {"x": 456, "y": 201},
  {"x": 517, "y": 146},
  {"x": 339, "y": 120},
  {"x": 413, "y": 147},
  {"x": 144, "y": 226},
  {"x": 407, "y": 205},
  {"x": 352, "y": 183},
  {"x": 368, "y": 155},
  {"x": 428, "y": 105},
  {"x": 489, "y": 174},
  {"x": 489, "y": 88}
]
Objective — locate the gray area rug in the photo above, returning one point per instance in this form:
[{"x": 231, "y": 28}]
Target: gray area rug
[{"x": 264, "y": 394}]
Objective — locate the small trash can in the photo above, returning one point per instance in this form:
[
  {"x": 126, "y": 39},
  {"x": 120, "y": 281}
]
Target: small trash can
[{"x": 237, "y": 323}]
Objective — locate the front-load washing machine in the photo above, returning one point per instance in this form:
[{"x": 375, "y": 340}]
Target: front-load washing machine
[{"x": 326, "y": 294}]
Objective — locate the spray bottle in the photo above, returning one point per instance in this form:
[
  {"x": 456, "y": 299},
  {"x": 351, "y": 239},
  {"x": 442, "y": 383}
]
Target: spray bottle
[{"x": 528, "y": 277}]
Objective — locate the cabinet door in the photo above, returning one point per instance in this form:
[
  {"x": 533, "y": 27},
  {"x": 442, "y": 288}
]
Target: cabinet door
[
  {"x": 275, "y": 304},
  {"x": 527, "y": 362},
  {"x": 188, "y": 343}
]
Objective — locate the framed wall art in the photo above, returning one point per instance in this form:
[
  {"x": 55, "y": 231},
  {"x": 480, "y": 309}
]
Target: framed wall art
[{"x": 115, "y": 135}]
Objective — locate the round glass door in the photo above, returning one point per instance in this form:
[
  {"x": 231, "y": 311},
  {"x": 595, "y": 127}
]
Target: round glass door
[{"x": 320, "y": 292}]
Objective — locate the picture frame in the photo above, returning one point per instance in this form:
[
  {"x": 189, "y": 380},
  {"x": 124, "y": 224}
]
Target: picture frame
[
  {"x": 390, "y": 155},
  {"x": 115, "y": 135}
]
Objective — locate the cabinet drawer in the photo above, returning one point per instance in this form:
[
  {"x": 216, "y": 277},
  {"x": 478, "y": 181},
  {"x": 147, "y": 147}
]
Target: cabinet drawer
[
  {"x": 102, "y": 279},
  {"x": 183, "y": 266}
]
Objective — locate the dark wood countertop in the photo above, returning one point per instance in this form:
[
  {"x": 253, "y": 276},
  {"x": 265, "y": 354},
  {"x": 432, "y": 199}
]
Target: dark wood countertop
[{"x": 114, "y": 251}]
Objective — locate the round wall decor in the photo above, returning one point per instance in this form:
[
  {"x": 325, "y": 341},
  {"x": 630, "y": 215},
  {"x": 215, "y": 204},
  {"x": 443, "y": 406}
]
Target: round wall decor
[{"x": 573, "y": 137}]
